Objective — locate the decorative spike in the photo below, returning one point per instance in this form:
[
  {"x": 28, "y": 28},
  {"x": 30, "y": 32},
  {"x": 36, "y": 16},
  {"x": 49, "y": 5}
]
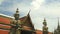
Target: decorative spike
[
  {"x": 29, "y": 11},
  {"x": 58, "y": 21}
]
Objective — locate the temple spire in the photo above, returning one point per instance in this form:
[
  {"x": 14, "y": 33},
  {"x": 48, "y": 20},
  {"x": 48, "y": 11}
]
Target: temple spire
[{"x": 58, "y": 23}]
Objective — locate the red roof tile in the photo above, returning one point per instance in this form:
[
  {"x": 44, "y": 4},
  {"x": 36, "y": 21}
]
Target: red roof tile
[
  {"x": 4, "y": 26},
  {"x": 4, "y": 20},
  {"x": 4, "y": 32},
  {"x": 40, "y": 32}
]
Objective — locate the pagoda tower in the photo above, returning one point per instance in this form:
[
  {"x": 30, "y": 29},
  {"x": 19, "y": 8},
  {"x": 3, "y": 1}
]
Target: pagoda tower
[
  {"x": 45, "y": 28},
  {"x": 57, "y": 31}
]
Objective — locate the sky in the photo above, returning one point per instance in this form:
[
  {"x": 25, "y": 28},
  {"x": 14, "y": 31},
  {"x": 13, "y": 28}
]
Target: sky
[{"x": 40, "y": 9}]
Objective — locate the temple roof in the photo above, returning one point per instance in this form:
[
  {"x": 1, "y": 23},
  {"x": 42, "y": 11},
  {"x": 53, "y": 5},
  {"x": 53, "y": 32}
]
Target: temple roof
[{"x": 27, "y": 21}]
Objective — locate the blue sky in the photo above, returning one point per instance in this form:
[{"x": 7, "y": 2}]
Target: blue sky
[{"x": 40, "y": 9}]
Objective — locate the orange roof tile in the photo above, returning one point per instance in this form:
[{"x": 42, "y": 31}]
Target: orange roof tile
[
  {"x": 4, "y": 26},
  {"x": 4, "y": 32},
  {"x": 4, "y": 20},
  {"x": 40, "y": 32}
]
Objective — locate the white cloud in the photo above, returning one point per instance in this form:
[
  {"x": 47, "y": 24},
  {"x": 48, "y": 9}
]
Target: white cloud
[
  {"x": 52, "y": 9},
  {"x": 36, "y": 4}
]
